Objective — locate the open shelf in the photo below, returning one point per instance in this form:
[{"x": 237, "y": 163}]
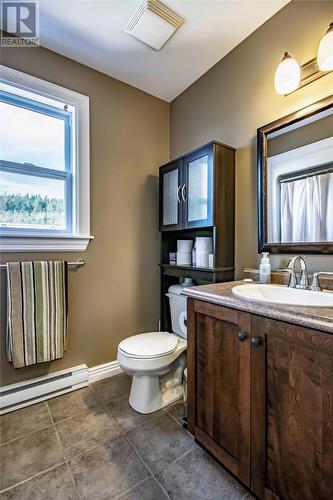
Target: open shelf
[
  {"x": 194, "y": 268},
  {"x": 208, "y": 274}
]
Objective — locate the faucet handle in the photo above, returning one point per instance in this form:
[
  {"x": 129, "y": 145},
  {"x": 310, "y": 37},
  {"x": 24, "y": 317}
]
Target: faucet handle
[
  {"x": 292, "y": 276},
  {"x": 315, "y": 282}
]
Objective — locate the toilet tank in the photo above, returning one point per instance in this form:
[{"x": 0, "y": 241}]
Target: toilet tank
[{"x": 178, "y": 309}]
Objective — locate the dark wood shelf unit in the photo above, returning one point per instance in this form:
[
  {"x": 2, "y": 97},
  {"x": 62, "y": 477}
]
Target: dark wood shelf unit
[
  {"x": 197, "y": 198},
  {"x": 199, "y": 273}
]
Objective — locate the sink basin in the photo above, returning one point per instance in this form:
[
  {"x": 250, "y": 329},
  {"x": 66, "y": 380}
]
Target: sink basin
[{"x": 279, "y": 294}]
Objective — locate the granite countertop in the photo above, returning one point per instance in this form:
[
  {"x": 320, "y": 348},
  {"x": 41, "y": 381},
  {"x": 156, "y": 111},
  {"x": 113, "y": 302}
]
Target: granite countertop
[{"x": 318, "y": 318}]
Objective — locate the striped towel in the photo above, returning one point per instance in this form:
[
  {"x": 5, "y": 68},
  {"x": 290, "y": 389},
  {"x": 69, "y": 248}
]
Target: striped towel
[{"x": 37, "y": 312}]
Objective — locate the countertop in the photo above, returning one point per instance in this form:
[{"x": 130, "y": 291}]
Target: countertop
[{"x": 318, "y": 318}]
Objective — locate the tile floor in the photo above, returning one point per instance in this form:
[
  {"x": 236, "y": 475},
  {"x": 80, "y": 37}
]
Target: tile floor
[{"x": 89, "y": 444}]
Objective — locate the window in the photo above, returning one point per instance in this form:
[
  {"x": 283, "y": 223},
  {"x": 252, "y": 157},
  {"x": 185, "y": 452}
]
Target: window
[{"x": 44, "y": 165}]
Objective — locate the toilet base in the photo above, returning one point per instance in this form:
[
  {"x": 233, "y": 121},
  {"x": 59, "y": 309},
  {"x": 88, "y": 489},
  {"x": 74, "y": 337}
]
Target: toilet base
[{"x": 146, "y": 395}]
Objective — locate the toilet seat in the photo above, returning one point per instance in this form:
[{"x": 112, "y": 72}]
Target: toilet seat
[{"x": 149, "y": 345}]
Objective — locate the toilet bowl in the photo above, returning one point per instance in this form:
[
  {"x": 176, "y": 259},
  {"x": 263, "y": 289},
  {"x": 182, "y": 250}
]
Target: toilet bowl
[{"x": 156, "y": 360}]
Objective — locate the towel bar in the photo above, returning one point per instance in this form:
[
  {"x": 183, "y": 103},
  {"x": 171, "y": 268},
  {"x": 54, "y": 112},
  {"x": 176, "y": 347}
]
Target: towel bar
[{"x": 76, "y": 263}]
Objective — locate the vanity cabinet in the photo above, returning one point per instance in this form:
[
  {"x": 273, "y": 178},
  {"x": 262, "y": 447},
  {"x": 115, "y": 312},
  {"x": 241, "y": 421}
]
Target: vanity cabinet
[
  {"x": 292, "y": 412},
  {"x": 196, "y": 189},
  {"x": 260, "y": 399},
  {"x": 219, "y": 363}
]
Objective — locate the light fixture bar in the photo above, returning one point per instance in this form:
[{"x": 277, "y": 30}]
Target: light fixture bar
[
  {"x": 310, "y": 72},
  {"x": 290, "y": 75}
]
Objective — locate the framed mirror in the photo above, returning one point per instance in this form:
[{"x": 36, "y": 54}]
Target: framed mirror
[{"x": 295, "y": 181}]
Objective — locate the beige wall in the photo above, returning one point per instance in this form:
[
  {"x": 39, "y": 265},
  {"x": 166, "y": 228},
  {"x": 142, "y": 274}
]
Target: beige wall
[
  {"x": 306, "y": 134},
  {"x": 237, "y": 96},
  {"x": 116, "y": 293}
]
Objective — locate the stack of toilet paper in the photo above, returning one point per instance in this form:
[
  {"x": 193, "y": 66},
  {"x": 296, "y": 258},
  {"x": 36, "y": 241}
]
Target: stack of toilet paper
[
  {"x": 203, "y": 247},
  {"x": 184, "y": 252}
]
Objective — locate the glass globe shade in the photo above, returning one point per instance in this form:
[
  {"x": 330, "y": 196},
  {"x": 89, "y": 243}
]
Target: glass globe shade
[
  {"x": 287, "y": 75},
  {"x": 325, "y": 51}
]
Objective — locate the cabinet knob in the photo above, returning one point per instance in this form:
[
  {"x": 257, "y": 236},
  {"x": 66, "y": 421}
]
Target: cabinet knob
[
  {"x": 242, "y": 336},
  {"x": 256, "y": 341}
]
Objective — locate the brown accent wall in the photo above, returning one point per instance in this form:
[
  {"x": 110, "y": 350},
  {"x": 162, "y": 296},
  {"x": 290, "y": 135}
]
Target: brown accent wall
[
  {"x": 237, "y": 96},
  {"x": 116, "y": 293}
]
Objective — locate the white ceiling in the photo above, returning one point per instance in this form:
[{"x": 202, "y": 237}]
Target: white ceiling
[{"x": 91, "y": 32}]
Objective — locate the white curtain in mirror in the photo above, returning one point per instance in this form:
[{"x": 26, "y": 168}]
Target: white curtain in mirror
[
  {"x": 305, "y": 209},
  {"x": 284, "y": 168}
]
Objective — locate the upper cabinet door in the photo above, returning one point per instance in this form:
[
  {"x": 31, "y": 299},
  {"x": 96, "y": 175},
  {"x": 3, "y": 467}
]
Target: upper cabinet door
[
  {"x": 170, "y": 196},
  {"x": 197, "y": 189}
]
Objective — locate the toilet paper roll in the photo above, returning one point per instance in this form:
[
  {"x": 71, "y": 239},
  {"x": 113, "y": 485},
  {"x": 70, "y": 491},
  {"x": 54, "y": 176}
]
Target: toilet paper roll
[
  {"x": 183, "y": 323},
  {"x": 184, "y": 246},
  {"x": 184, "y": 258},
  {"x": 203, "y": 244},
  {"x": 202, "y": 259}
]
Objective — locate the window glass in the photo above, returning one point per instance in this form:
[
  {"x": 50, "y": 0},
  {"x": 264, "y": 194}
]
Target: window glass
[
  {"x": 29, "y": 202},
  {"x": 31, "y": 137}
]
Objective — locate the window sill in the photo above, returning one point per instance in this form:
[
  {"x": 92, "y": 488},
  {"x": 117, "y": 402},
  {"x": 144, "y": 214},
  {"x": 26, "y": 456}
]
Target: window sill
[{"x": 44, "y": 243}]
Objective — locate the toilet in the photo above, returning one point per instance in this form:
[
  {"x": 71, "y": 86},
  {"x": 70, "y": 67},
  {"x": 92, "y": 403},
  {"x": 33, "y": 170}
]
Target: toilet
[{"x": 156, "y": 360}]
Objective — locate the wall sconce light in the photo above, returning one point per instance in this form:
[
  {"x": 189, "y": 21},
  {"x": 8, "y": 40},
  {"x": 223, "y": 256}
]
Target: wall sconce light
[
  {"x": 290, "y": 76},
  {"x": 287, "y": 75},
  {"x": 325, "y": 51}
]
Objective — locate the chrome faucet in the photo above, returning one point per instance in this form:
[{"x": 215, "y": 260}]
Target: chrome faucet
[{"x": 303, "y": 283}]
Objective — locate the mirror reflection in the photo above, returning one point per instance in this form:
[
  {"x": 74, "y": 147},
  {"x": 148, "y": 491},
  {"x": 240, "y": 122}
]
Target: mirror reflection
[{"x": 300, "y": 181}]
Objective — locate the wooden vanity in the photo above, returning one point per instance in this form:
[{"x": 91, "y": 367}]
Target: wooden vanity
[{"x": 260, "y": 392}]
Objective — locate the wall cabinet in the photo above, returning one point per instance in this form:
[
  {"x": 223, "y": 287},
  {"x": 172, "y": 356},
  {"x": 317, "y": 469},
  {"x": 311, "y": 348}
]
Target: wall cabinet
[
  {"x": 189, "y": 195},
  {"x": 260, "y": 400},
  {"x": 197, "y": 198}
]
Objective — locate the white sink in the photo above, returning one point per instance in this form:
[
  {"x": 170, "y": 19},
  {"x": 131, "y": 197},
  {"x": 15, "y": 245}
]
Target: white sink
[{"x": 279, "y": 294}]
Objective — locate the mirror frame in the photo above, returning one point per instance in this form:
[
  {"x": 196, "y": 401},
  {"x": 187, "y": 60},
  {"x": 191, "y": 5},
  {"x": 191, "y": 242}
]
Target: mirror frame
[{"x": 262, "y": 133}]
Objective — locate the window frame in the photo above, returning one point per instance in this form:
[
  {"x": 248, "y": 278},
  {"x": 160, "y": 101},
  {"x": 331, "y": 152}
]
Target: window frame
[
  {"x": 77, "y": 169},
  {"x": 65, "y": 175}
]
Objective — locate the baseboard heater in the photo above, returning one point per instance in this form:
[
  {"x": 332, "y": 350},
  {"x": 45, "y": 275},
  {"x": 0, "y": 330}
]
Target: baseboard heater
[{"x": 21, "y": 394}]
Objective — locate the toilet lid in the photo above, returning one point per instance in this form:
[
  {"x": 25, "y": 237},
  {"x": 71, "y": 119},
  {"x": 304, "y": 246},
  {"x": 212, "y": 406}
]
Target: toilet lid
[{"x": 149, "y": 345}]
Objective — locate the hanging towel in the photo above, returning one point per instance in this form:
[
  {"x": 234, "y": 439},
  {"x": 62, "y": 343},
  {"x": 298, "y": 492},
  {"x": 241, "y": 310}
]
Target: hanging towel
[{"x": 37, "y": 312}]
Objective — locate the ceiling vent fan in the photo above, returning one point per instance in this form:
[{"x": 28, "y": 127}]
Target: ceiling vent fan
[{"x": 153, "y": 23}]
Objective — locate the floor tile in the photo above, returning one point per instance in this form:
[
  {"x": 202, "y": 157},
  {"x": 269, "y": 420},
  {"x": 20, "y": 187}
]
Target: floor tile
[
  {"x": 178, "y": 410},
  {"x": 148, "y": 489},
  {"x": 29, "y": 455},
  {"x": 108, "y": 470},
  {"x": 18, "y": 423},
  {"x": 113, "y": 387},
  {"x": 160, "y": 441},
  {"x": 126, "y": 417},
  {"x": 197, "y": 476},
  {"x": 86, "y": 430},
  {"x": 55, "y": 484},
  {"x": 72, "y": 403}
]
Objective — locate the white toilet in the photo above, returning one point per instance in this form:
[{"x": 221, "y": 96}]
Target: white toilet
[{"x": 157, "y": 360}]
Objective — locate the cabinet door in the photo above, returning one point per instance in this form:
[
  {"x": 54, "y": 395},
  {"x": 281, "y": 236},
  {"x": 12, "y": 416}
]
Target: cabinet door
[
  {"x": 197, "y": 190},
  {"x": 219, "y": 383},
  {"x": 171, "y": 181},
  {"x": 292, "y": 412}
]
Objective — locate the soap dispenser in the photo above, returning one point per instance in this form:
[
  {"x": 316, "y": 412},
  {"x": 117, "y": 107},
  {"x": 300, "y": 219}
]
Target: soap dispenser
[{"x": 265, "y": 269}]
